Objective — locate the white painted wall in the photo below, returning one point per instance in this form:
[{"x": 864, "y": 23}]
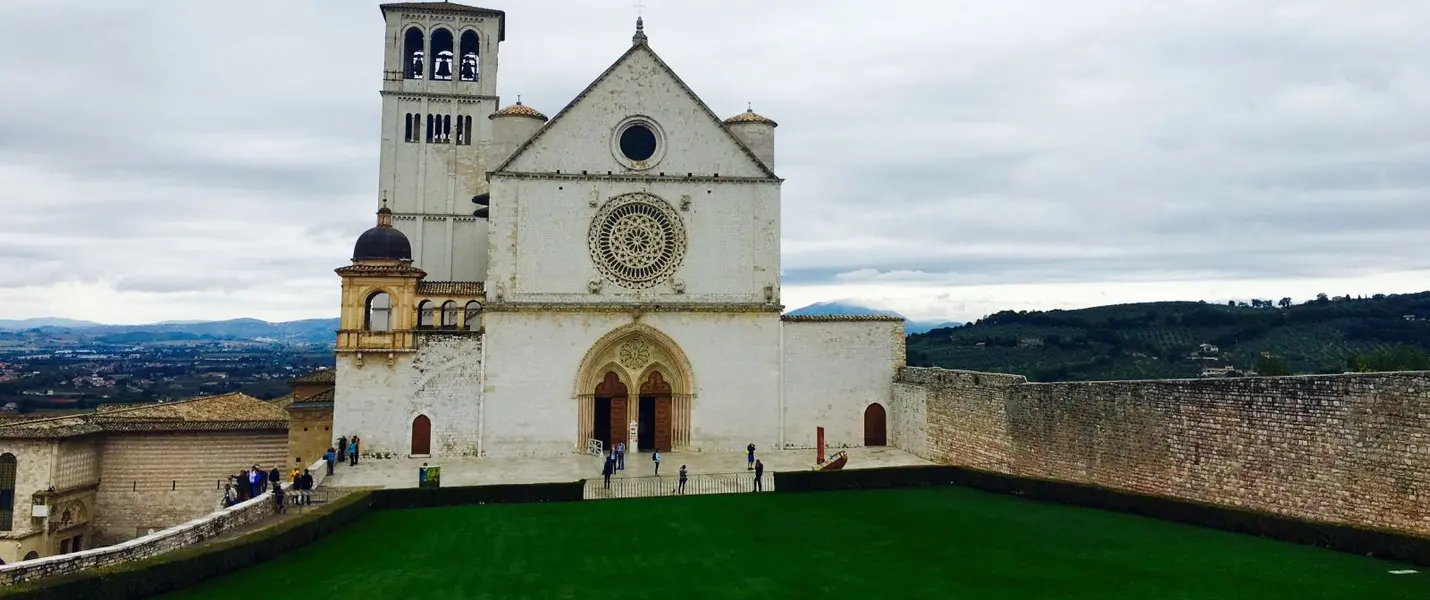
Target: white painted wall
[
  {"x": 540, "y": 230},
  {"x": 442, "y": 380},
  {"x": 533, "y": 359},
  {"x": 833, "y": 370}
]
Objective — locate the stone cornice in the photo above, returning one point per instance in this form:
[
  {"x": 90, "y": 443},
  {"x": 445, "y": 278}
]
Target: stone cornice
[
  {"x": 651, "y": 307},
  {"x": 439, "y": 95},
  {"x": 632, "y": 177}
]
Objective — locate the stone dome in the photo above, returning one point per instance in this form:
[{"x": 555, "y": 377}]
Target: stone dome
[
  {"x": 383, "y": 242},
  {"x": 750, "y": 116},
  {"x": 518, "y": 110}
]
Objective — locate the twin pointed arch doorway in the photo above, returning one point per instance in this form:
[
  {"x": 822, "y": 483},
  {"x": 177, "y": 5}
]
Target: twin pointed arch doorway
[{"x": 634, "y": 386}]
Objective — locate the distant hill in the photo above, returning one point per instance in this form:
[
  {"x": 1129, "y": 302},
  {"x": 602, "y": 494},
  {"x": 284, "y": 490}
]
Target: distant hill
[
  {"x": 304, "y": 332},
  {"x": 841, "y": 308},
  {"x": 1164, "y": 339},
  {"x": 44, "y": 322}
]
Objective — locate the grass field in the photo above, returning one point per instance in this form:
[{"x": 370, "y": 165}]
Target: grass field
[{"x": 946, "y": 543}]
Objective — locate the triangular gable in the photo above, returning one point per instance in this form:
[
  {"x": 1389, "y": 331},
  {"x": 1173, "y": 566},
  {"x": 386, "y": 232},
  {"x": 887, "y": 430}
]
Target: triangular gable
[{"x": 640, "y": 48}]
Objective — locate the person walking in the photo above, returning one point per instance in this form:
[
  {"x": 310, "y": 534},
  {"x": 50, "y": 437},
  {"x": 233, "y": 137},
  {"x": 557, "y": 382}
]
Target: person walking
[
  {"x": 655, "y": 458},
  {"x": 759, "y": 474},
  {"x": 607, "y": 469},
  {"x": 682, "y": 479},
  {"x": 750, "y": 457}
]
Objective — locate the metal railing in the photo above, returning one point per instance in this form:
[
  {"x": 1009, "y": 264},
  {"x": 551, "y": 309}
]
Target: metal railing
[{"x": 669, "y": 485}]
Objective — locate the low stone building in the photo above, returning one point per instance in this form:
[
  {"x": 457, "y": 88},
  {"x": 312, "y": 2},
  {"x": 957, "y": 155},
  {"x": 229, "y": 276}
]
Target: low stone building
[
  {"x": 310, "y": 416},
  {"x": 74, "y": 482}
]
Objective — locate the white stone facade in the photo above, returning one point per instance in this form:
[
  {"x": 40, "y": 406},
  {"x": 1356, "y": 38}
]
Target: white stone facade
[{"x": 674, "y": 302}]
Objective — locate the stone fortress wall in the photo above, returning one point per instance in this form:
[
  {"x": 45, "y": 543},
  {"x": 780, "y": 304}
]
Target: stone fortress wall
[{"x": 1350, "y": 449}]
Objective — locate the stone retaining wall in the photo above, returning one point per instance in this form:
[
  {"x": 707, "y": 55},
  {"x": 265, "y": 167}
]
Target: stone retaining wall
[
  {"x": 154, "y": 544},
  {"x": 1352, "y": 449}
]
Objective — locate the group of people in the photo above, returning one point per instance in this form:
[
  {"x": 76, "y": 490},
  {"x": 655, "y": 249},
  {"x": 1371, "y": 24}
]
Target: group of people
[
  {"x": 254, "y": 482},
  {"x": 249, "y": 483},
  {"x": 346, "y": 451}
]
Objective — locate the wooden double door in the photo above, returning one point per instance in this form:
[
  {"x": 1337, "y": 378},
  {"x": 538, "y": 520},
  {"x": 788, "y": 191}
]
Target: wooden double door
[{"x": 650, "y": 408}]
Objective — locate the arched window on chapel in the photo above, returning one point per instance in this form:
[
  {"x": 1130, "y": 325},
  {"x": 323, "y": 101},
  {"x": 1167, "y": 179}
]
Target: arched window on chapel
[
  {"x": 450, "y": 314},
  {"x": 426, "y": 315},
  {"x": 7, "y": 491},
  {"x": 378, "y": 312}
]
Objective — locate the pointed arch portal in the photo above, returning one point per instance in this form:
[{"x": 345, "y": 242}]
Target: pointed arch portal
[{"x": 635, "y": 380}]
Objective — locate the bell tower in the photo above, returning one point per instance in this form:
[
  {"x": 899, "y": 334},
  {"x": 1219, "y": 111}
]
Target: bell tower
[{"x": 439, "y": 85}]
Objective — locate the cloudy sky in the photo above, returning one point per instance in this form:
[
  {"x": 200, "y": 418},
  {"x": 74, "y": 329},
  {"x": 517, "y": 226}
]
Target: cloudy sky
[{"x": 948, "y": 159}]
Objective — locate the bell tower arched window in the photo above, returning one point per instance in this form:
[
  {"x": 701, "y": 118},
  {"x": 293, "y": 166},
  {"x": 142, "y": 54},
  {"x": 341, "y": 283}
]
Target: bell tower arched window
[
  {"x": 378, "y": 312},
  {"x": 441, "y": 55},
  {"x": 413, "y": 66},
  {"x": 7, "y": 491},
  {"x": 471, "y": 57}
]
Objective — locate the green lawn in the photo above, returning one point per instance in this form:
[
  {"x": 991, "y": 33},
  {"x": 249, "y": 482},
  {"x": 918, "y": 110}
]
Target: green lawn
[{"x": 944, "y": 543}]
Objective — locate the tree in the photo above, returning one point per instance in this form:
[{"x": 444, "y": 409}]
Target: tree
[
  {"x": 1231, "y": 303},
  {"x": 1322, "y": 299},
  {"x": 1285, "y": 302},
  {"x": 1271, "y": 366}
]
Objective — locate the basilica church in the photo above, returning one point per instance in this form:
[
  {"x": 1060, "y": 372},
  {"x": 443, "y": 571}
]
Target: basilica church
[{"x": 541, "y": 286}]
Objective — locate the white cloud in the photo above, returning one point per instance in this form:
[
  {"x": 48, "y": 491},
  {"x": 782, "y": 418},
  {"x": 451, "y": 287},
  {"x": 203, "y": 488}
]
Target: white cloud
[{"x": 213, "y": 159}]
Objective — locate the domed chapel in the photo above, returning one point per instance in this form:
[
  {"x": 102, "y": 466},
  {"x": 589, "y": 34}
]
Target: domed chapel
[{"x": 542, "y": 286}]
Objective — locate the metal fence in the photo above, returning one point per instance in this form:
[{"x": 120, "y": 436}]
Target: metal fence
[{"x": 669, "y": 485}]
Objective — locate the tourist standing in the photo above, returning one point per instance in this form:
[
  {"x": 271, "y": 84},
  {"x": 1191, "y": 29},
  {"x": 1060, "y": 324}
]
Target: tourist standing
[
  {"x": 343, "y": 449},
  {"x": 329, "y": 457},
  {"x": 750, "y": 457},
  {"x": 275, "y": 477},
  {"x": 655, "y": 458},
  {"x": 620, "y": 456},
  {"x": 306, "y": 481},
  {"x": 682, "y": 479},
  {"x": 278, "y": 507},
  {"x": 759, "y": 473},
  {"x": 353, "y": 452},
  {"x": 606, "y": 470},
  {"x": 257, "y": 483},
  {"x": 230, "y": 496}
]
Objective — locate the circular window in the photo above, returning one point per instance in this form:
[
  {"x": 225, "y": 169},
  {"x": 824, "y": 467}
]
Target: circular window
[
  {"x": 637, "y": 240},
  {"x": 638, "y": 143}
]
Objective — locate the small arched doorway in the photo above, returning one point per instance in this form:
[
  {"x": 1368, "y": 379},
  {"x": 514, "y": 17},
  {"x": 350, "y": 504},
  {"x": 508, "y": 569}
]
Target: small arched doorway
[
  {"x": 875, "y": 433},
  {"x": 32, "y": 555},
  {"x": 421, "y": 436},
  {"x": 654, "y": 414}
]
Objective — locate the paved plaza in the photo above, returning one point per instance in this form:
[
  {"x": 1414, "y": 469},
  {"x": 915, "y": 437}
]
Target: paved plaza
[{"x": 402, "y": 472}]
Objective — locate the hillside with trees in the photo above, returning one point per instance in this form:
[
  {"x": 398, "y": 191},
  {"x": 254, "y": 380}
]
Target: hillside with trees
[{"x": 1190, "y": 339}]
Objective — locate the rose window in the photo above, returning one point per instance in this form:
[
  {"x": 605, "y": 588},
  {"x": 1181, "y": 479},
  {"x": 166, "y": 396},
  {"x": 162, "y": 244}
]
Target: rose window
[{"x": 637, "y": 240}]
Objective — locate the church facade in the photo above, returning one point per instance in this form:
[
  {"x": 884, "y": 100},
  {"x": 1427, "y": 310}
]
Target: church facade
[{"x": 538, "y": 286}]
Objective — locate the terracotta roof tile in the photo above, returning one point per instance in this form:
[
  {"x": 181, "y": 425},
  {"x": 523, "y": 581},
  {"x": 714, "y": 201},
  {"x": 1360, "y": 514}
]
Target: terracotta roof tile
[
  {"x": 322, "y": 398},
  {"x": 750, "y": 116},
  {"x": 518, "y": 110},
  {"x": 472, "y": 289},
  {"x": 319, "y": 376}
]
